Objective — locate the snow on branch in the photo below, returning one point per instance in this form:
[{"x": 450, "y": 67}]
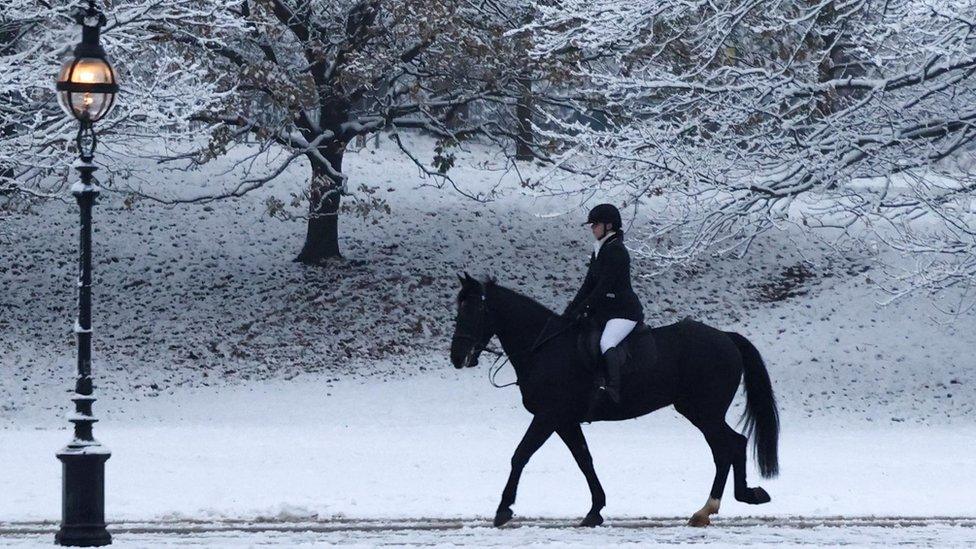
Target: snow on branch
[{"x": 732, "y": 118}]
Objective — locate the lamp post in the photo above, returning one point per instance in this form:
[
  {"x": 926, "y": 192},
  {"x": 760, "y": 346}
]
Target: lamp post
[{"x": 86, "y": 90}]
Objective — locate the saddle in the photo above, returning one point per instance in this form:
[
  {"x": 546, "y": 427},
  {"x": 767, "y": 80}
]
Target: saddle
[{"x": 639, "y": 346}]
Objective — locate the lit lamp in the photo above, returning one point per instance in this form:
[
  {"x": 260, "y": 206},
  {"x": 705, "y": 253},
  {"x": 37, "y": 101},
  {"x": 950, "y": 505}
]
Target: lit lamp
[
  {"x": 87, "y": 84},
  {"x": 86, "y": 90}
]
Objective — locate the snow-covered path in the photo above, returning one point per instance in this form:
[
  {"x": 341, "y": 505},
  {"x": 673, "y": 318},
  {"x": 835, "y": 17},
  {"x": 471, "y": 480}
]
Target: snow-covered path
[
  {"x": 792, "y": 532},
  {"x": 438, "y": 444}
]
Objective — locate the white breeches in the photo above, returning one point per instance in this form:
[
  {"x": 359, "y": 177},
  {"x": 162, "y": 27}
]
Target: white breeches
[{"x": 615, "y": 332}]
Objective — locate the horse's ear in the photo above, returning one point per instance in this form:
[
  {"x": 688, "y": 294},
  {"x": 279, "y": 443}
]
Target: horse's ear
[
  {"x": 460, "y": 278},
  {"x": 467, "y": 277}
]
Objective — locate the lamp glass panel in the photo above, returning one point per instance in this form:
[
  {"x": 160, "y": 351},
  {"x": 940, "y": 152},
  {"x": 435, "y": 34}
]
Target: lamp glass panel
[{"x": 86, "y": 105}]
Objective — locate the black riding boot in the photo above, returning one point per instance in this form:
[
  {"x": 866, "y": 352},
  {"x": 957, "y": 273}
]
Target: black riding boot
[
  {"x": 614, "y": 357},
  {"x": 606, "y": 386},
  {"x": 596, "y": 397}
]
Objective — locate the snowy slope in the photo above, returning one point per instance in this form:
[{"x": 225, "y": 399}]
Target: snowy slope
[{"x": 207, "y": 295}]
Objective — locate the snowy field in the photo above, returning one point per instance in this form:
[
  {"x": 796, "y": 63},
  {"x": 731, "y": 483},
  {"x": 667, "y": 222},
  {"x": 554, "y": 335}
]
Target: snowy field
[
  {"x": 235, "y": 385},
  {"x": 437, "y": 447}
]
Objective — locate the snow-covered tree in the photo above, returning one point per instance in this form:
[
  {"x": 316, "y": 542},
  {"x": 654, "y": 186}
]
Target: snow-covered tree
[
  {"x": 37, "y": 140},
  {"x": 310, "y": 76},
  {"x": 744, "y": 115},
  {"x": 37, "y": 36},
  {"x": 33, "y": 131},
  {"x": 301, "y": 78}
]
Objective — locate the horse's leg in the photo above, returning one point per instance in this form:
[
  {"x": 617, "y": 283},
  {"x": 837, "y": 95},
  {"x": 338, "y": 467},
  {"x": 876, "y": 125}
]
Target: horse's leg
[
  {"x": 538, "y": 432},
  {"x": 742, "y": 491},
  {"x": 572, "y": 435},
  {"x": 718, "y": 441}
]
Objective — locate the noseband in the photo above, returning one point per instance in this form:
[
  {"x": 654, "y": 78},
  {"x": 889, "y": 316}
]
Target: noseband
[{"x": 475, "y": 340}]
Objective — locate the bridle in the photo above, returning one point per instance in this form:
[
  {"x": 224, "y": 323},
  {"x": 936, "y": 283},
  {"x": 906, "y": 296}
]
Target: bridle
[
  {"x": 475, "y": 341},
  {"x": 496, "y": 367}
]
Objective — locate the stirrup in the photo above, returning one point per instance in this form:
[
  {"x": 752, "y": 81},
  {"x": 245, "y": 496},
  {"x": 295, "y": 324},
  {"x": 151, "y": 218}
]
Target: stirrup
[
  {"x": 596, "y": 398},
  {"x": 600, "y": 382}
]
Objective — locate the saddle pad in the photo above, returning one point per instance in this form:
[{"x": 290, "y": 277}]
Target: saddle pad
[{"x": 639, "y": 343}]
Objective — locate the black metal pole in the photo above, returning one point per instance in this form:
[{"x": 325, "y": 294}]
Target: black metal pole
[{"x": 83, "y": 459}]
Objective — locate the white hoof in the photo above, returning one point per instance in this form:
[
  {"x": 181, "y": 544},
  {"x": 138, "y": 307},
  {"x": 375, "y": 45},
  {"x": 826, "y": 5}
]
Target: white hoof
[{"x": 700, "y": 518}]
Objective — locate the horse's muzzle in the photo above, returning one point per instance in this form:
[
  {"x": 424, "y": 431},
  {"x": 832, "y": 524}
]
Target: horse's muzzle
[
  {"x": 470, "y": 359},
  {"x": 467, "y": 360}
]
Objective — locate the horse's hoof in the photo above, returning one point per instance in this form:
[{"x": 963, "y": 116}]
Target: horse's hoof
[
  {"x": 755, "y": 496},
  {"x": 502, "y": 516},
  {"x": 699, "y": 520},
  {"x": 760, "y": 496},
  {"x": 591, "y": 520}
]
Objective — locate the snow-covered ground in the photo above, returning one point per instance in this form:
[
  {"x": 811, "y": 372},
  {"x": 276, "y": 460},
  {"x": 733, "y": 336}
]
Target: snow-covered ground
[
  {"x": 235, "y": 384},
  {"x": 438, "y": 445},
  {"x": 645, "y": 533}
]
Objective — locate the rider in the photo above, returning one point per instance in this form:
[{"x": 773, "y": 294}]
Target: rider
[{"x": 606, "y": 296}]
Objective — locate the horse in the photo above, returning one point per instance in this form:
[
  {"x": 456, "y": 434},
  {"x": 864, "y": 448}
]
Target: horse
[{"x": 697, "y": 368}]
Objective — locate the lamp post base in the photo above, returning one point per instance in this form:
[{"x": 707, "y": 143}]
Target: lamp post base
[
  {"x": 83, "y": 497},
  {"x": 83, "y": 536}
]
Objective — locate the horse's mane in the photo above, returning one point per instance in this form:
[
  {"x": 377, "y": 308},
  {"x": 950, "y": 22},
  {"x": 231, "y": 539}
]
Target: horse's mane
[
  {"x": 490, "y": 284},
  {"x": 533, "y": 305}
]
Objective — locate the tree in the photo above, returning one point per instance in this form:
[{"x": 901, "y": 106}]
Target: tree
[
  {"x": 834, "y": 115},
  {"x": 309, "y": 76},
  {"x": 37, "y": 139},
  {"x": 202, "y": 77}
]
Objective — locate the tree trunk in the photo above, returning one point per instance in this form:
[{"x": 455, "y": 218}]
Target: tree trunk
[
  {"x": 523, "y": 106},
  {"x": 837, "y": 63},
  {"x": 322, "y": 238},
  {"x": 6, "y": 167},
  {"x": 523, "y": 113}
]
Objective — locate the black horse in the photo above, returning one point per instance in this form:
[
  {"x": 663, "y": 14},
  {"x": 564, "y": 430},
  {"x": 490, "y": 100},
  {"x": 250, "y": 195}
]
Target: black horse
[{"x": 697, "y": 368}]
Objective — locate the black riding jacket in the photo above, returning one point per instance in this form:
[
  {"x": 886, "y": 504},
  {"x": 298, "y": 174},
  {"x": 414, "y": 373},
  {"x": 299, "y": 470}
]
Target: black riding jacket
[{"x": 606, "y": 291}]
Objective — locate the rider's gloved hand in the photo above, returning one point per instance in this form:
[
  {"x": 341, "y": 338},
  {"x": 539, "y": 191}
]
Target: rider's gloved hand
[{"x": 572, "y": 314}]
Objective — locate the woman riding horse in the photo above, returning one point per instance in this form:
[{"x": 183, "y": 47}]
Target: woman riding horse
[
  {"x": 606, "y": 296},
  {"x": 694, "y": 367}
]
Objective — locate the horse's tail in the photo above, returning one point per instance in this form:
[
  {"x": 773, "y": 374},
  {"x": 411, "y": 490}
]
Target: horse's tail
[{"x": 760, "y": 414}]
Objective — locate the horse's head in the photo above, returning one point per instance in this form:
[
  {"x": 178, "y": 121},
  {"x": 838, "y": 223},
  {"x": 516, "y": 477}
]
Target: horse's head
[{"x": 473, "y": 329}]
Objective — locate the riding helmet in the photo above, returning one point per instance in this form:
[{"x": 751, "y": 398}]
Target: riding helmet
[{"x": 604, "y": 213}]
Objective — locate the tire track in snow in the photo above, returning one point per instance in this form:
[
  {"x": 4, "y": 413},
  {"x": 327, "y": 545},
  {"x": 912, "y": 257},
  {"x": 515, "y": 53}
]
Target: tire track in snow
[{"x": 190, "y": 526}]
